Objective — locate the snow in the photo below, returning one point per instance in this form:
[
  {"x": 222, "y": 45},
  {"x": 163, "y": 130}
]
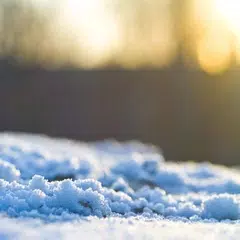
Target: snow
[
  {"x": 117, "y": 228},
  {"x": 62, "y": 188},
  {"x": 8, "y": 171}
]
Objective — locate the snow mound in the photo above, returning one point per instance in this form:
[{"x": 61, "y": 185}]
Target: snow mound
[{"x": 57, "y": 179}]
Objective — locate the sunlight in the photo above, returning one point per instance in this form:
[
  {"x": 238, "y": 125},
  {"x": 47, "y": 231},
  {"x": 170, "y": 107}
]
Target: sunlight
[
  {"x": 214, "y": 56},
  {"x": 94, "y": 27},
  {"x": 217, "y": 34},
  {"x": 230, "y": 11}
]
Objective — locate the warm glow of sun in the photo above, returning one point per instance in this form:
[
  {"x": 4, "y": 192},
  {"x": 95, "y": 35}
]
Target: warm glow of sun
[
  {"x": 217, "y": 45},
  {"x": 94, "y": 27},
  {"x": 230, "y": 11},
  {"x": 214, "y": 57}
]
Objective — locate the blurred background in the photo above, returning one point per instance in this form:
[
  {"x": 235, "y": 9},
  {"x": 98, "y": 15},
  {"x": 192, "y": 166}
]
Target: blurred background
[{"x": 164, "y": 72}]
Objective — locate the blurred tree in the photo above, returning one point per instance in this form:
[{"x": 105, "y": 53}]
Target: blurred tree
[
  {"x": 147, "y": 32},
  {"x": 24, "y": 29}
]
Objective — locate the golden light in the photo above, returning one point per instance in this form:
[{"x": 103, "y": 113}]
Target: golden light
[
  {"x": 101, "y": 31},
  {"x": 230, "y": 11},
  {"x": 214, "y": 57},
  {"x": 217, "y": 34},
  {"x": 93, "y": 27}
]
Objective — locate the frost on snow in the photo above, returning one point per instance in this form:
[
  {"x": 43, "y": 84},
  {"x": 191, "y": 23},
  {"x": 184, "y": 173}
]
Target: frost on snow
[{"x": 54, "y": 180}]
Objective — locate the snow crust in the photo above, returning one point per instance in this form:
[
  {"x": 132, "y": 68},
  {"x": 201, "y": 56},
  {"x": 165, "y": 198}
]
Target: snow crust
[{"x": 56, "y": 180}]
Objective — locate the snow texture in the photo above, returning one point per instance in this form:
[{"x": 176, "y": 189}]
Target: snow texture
[{"x": 56, "y": 182}]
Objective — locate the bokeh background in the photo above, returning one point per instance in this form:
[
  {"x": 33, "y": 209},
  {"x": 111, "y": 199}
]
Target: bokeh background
[{"x": 164, "y": 72}]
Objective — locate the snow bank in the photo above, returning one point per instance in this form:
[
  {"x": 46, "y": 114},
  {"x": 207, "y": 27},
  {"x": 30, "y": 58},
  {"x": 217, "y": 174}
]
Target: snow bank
[{"x": 109, "y": 179}]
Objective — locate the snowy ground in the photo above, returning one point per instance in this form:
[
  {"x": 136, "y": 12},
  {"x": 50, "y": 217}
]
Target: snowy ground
[
  {"x": 56, "y": 188},
  {"x": 117, "y": 228}
]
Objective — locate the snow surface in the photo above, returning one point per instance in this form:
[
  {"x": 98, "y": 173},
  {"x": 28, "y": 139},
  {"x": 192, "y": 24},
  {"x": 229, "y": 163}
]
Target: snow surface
[
  {"x": 57, "y": 188},
  {"x": 117, "y": 228}
]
